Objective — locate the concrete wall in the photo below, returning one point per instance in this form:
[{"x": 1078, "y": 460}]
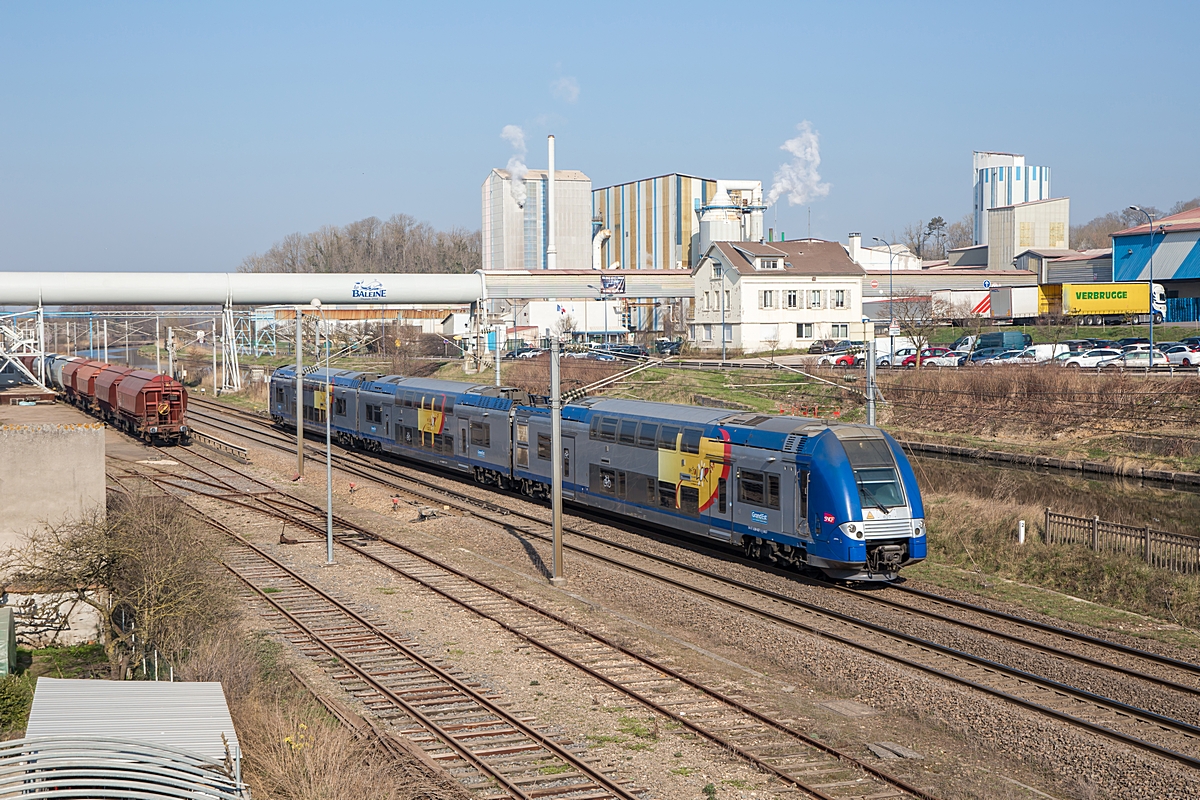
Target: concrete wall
[{"x": 48, "y": 474}]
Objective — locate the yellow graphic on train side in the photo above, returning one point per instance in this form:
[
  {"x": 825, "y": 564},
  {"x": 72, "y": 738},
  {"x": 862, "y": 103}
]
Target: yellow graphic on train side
[
  {"x": 700, "y": 471},
  {"x": 430, "y": 416}
]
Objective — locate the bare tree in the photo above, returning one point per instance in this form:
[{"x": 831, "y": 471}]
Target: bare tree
[
  {"x": 918, "y": 318},
  {"x": 565, "y": 327},
  {"x": 915, "y": 237},
  {"x": 148, "y": 568},
  {"x": 961, "y": 233}
]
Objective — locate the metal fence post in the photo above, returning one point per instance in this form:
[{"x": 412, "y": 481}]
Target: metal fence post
[
  {"x": 1046, "y": 527},
  {"x": 1096, "y": 534}
]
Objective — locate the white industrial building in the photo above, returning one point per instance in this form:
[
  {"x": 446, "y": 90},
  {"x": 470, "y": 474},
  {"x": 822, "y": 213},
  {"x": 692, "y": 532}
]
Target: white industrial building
[
  {"x": 760, "y": 296},
  {"x": 879, "y": 258},
  {"x": 1040, "y": 224},
  {"x": 1004, "y": 179},
  {"x": 515, "y": 220}
]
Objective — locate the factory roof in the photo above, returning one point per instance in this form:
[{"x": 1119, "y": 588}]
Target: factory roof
[
  {"x": 1085, "y": 255},
  {"x": 540, "y": 174},
  {"x": 655, "y": 177},
  {"x": 800, "y": 257},
  {"x": 1172, "y": 223},
  {"x": 1029, "y": 203},
  {"x": 1052, "y": 252},
  {"x": 191, "y": 716}
]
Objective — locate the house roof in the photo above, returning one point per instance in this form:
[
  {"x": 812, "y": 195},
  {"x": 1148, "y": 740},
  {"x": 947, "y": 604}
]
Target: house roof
[
  {"x": 799, "y": 256},
  {"x": 1086, "y": 255},
  {"x": 1172, "y": 223}
]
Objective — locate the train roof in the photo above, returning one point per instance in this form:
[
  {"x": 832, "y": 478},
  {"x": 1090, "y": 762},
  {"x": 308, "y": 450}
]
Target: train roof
[{"x": 644, "y": 408}]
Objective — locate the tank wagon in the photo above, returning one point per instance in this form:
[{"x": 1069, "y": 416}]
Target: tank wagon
[
  {"x": 145, "y": 404},
  {"x": 793, "y": 491}
]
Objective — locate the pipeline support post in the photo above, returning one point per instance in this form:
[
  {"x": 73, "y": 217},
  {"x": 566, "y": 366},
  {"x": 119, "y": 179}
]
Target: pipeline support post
[
  {"x": 556, "y": 463},
  {"x": 299, "y": 396}
]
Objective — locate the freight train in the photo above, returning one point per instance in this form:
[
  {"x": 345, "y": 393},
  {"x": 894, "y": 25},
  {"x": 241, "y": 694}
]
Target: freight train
[
  {"x": 792, "y": 491},
  {"x": 142, "y": 403}
]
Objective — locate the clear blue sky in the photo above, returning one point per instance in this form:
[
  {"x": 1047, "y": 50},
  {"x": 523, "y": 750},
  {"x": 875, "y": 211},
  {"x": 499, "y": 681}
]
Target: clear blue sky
[{"x": 173, "y": 136}]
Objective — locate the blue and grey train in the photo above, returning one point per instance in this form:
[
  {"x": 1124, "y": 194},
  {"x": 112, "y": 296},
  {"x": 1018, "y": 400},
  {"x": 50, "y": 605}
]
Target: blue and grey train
[{"x": 793, "y": 491}]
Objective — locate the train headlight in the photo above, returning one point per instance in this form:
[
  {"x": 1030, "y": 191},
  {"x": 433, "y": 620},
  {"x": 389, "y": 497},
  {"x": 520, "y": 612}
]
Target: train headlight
[
  {"x": 853, "y": 530},
  {"x": 919, "y": 528}
]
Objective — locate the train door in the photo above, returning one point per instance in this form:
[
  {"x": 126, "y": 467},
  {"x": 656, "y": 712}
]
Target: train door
[
  {"x": 720, "y": 512},
  {"x": 463, "y": 441},
  {"x": 568, "y": 465},
  {"x": 804, "y": 524}
]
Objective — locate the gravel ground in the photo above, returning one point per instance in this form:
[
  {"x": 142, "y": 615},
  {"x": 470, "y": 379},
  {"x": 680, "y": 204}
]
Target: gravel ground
[{"x": 973, "y": 746}]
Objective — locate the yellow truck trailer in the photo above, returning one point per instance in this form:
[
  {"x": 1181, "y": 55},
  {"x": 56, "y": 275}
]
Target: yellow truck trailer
[{"x": 1112, "y": 303}]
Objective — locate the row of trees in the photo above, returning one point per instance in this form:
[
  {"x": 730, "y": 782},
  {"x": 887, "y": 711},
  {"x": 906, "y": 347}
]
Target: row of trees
[
  {"x": 401, "y": 244},
  {"x": 1097, "y": 233}
]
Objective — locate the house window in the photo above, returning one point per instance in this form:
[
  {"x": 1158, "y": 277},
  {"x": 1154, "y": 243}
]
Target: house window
[
  {"x": 839, "y": 298},
  {"x": 814, "y": 298},
  {"x": 766, "y": 298},
  {"x": 708, "y": 333},
  {"x": 770, "y": 263},
  {"x": 706, "y": 306},
  {"x": 840, "y": 331},
  {"x": 727, "y": 298},
  {"x": 728, "y": 333},
  {"x": 791, "y": 298},
  {"x": 804, "y": 330}
]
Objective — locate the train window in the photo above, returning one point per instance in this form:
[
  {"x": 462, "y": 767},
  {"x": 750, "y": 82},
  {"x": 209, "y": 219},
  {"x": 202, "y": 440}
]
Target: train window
[
  {"x": 279, "y": 395},
  {"x": 523, "y": 432},
  {"x": 648, "y": 435},
  {"x": 667, "y": 435},
  {"x": 628, "y": 432},
  {"x": 652, "y": 491},
  {"x": 608, "y": 430},
  {"x": 339, "y": 407},
  {"x": 566, "y": 462},
  {"x": 722, "y": 496},
  {"x": 773, "y": 491},
  {"x": 543, "y": 445},
  {"x": 447, "y": 404},
  {"x": 374, "y": 413},
  {"x": 522, "y": 456},
  {"x": 751, "y": 488},
  {"x": 594, "y": 432},
  {"x": 689, "y": 500},
  {"x": 691, "y": 441},
  {"x": 406, "y": 400},
  {"x": 666, "y": 494},
  {"x": 409, "y": 435},
  {"x": 447, "y": 444},
  {"x": 605, "y": 481},
  {"x": 481, "y": 434}
]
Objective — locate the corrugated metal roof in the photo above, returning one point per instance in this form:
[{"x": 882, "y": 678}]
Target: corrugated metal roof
[{"x": 188, "y": 716}]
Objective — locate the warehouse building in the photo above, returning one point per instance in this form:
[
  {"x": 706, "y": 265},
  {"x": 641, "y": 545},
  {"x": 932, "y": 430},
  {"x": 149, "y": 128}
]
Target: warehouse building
[
  {"x": 1171, "y": 253},
  {"x": 1015, "y": 228},
  {"x": 651, "y": 223}
]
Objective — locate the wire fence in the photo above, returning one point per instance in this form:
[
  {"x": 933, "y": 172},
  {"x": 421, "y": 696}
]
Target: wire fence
[{"x": 1173, "y": 551}]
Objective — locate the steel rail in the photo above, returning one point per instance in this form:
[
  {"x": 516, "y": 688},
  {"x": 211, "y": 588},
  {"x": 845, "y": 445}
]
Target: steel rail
[
  {"x": 319, "y": 530},
  {"x": 601, "y": 780},
  {"x": 1020, "y": 675}
]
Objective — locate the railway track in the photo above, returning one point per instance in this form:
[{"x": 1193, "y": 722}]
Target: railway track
[
  {"x": 772, "y": 745},
  {"x": 1147, "y": 730}
]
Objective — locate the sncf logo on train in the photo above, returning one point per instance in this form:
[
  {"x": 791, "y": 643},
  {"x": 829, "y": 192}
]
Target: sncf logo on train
[
  {"x": 371, "y": 288},
  {"x": 830, "y": 518}
]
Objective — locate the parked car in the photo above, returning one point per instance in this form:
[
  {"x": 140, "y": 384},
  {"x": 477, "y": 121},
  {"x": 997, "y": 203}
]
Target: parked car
[
  {"x": 1039, "y": 353},
  {"x": 821, "y": 346},
  {"x": 1163, "y": 347},
  {"x": 1091, "y": 358},
  {"x": 668, "y": 347},
  {"x": 1098, "y": 343},
  {"x": 1005, "y": 357},
  {"x": 1192, "y": 340},
  {"x": 842, "y": 358},
  {"x": 1135, "y": 359},
  {"x": 926, "y": 354},
  {"x": 1079, "y": 345},
  {"x": 1061, "y": 358},
  {"x": 524, "y": 351},
  {"x": 888, "y": 359},
  {"x": 984, "y": 354},
  {"x": 1184, "y": 355},
  {"x": 1132, "y": 340}
]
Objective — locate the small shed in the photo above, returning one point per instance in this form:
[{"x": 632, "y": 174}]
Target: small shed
[{"x": 181, "y": 715}]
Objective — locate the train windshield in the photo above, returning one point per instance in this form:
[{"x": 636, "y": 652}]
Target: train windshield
[
  {"x": 878, "y": 487},
  {"x": 874, "y": 472}
]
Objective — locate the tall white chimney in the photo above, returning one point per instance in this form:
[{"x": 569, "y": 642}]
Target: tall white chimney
[
  {"x": 855, "y": 246},
  {"x": 551, "y": 252}
]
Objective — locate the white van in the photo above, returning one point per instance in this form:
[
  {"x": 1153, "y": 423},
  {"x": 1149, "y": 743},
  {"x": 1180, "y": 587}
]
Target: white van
[{"x": 1040, "y": 353}]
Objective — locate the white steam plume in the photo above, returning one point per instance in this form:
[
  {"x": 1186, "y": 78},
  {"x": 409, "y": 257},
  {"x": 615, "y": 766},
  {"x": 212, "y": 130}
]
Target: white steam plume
[
  {"x": 516, "y": 164},
  {"x": 798, "y": 178}
]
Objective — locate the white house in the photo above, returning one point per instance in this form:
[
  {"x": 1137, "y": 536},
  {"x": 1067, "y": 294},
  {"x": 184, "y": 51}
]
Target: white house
[
  {"x": 760, "y": 296},
  {"x": 879, "y": 259}
]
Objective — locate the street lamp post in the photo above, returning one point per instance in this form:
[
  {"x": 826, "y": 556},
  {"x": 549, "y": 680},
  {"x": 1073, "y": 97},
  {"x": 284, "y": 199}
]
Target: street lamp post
[
  {"x": 328, "y": 391},
  {"x": 891, "y": 313},
  {"x": 1150, "y": 222}
]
